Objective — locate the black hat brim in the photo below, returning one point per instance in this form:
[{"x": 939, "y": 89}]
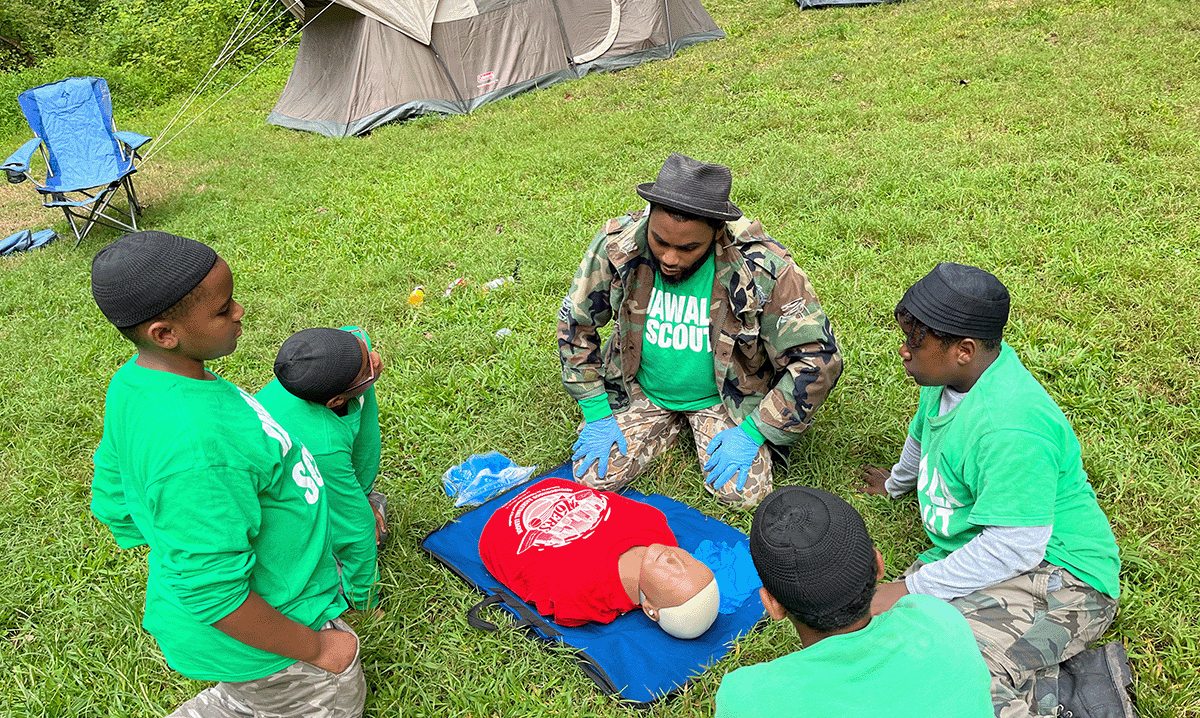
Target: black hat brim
[{"x": 729, "y": 212}]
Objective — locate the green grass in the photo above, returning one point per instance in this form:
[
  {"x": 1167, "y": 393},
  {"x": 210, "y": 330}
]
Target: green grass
[{"x": 1053, "y": 142}]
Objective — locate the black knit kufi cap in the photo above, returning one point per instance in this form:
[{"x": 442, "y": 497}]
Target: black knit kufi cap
[
  {"x": 318, "y": 364},
  {"x": 959, "y": 300},
  {"x": 143, "y": 274},
  {"x": 811, "y": 550}
]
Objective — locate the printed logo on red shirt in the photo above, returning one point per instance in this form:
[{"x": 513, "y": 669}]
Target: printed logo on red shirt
[{"x": 556, "y": 516}]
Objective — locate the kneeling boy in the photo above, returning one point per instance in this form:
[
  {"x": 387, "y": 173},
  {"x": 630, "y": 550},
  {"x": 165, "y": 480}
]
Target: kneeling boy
[
  {"x": 1020, "y": 545},
  {"x": 324, "y": 395},
  {"x": 242, "y": 587},
  {"x": 819, "y": 569}
]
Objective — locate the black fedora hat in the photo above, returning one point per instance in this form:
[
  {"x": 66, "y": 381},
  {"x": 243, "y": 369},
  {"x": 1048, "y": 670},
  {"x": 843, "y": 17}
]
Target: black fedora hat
[{"x": 693, "y": 187}]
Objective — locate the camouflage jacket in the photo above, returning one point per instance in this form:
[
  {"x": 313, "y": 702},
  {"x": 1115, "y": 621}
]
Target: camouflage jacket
[{"x": 774, "y": 353}]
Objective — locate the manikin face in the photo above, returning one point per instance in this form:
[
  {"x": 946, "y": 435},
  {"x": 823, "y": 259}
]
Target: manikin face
[
  {"x": 679, "y": 248},
  {"x": 669, "y": 577},
  {"x": 929, "y": 363},
  {"x": 213, "y": 323}
]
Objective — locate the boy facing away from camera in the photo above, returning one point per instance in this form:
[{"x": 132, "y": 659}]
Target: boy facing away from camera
[
  {"x": 819, "y": 569},
  {"x": 242, "y": 586},
  {"x": 324, "y": 395}
]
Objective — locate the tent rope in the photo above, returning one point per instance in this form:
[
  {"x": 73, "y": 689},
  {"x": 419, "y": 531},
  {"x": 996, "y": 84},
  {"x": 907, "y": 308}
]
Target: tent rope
[
  {"x": 157, "y": 145},
  {"x": 217, "y": 65}
]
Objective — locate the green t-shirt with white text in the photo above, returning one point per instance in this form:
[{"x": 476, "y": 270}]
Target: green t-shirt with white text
[
  {"x": 916, "y": 660},
  {"x": 346, "y": 449},
  {"x": 1007, "y": 456},
  {"x": 228, "y": 503},
  {"x": 677, "y": 371}
]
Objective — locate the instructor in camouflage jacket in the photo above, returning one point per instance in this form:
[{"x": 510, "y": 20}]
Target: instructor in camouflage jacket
[{"x": 716, "y": 327}]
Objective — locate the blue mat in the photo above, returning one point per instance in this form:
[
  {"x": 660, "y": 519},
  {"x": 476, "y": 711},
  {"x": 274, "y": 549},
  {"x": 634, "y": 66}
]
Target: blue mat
[{"x": 630, "y": 657}]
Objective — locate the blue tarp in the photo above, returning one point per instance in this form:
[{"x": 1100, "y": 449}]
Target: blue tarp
[
  {"x": 26, "y": 239},
  {"x": 631, "y": 657}
]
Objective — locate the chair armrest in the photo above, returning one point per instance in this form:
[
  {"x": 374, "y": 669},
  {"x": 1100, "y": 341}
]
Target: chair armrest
[
  {"x": 17, "y": 164},
  {"x": 132, "y": 140}
]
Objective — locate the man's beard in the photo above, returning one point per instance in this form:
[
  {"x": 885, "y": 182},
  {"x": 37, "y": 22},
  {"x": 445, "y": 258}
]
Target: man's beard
[{"x": 687, "y": 273}]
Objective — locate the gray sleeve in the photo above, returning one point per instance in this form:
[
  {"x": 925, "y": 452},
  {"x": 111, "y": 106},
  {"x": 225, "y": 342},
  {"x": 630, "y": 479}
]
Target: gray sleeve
[
  {"x": 904, "y": 473},
  {"x": 997, "y": 554}
]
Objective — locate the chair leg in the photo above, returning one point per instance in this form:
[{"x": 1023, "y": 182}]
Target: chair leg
[
  {"x": 135, "y": 207},
  {"x": 97, "y": 212},
  {"x": 131, "y": 198},
  {"x": 74, "y": 227},
  {"x": 100, "y": 203}
]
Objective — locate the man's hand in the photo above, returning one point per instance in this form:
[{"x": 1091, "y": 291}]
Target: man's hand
[
  {"x": 595, "y": 444},
  {"x": 873, "y": 478},
  {"x": 730, "y": 454},
  {"x": 337, "y": 650},
  {"x": 886, "y": 595}
]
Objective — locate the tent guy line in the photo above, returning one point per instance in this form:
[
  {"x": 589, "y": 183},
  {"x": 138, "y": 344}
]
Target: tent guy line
[{"x": 223, "y": 59}]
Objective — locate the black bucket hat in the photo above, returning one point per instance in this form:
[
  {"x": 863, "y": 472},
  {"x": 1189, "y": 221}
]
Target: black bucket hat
[
  {"x": 693, "y": 187},
  {"x": 959, "y": 300}
]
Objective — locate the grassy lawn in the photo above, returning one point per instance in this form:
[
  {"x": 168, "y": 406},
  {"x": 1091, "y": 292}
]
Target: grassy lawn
[{"x": 1053, "y": 142}]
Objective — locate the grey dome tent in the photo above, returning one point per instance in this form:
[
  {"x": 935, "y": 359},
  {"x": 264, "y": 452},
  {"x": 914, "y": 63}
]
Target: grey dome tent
[{"x": 362, "y": 63}]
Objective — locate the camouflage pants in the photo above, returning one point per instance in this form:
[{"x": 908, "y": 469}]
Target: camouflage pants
[
  {"x": 650, "y": 430},
  {"x": 1026, "y": 626},
  {"x": 298, "y": 690}
]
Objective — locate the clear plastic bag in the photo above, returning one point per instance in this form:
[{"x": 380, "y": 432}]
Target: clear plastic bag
[{"x": 482, "y": 476}]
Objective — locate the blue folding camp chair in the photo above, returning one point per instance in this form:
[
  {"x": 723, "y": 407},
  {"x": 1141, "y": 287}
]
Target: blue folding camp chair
[{"x": 87, "y": 160}]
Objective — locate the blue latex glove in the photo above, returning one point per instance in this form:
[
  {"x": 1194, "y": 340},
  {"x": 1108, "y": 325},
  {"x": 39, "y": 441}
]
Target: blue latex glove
[
  {"x": 595, "y": 444},
  {"x": 730, "y": 454},
  {"x": 734, "y": 570}
]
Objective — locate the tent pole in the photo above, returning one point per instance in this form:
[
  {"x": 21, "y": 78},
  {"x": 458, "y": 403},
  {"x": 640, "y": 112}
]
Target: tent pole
[
  {"x": 670, "y": 35},
  {"x": 446, "y": 70},
  {"x": 562, "y": 27}
]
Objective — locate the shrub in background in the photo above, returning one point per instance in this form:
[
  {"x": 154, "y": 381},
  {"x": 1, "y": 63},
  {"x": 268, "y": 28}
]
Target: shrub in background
[
  {"x": 148, "y": 50},
  {"x": 33, "y": 30}
]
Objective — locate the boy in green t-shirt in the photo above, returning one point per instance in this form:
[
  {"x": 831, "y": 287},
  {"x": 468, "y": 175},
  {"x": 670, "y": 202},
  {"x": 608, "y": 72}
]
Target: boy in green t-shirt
[
  {"x": 324, "y": 395},
  {"x": 1020, "y": 545},
  {"x": 242, "y": 585},
  {"x": 819, "y": 570}
]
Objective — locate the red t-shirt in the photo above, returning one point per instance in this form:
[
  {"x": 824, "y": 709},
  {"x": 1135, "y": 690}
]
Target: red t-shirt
[{"x": 556, "y": 545}]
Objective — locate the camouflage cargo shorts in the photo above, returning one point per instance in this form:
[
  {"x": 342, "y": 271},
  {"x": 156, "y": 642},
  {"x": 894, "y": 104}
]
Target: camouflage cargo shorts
[
  {"x": 298, "y": 690},
  {"x": 1026, "y": 626},
  {"x": 650, "y": 430}
]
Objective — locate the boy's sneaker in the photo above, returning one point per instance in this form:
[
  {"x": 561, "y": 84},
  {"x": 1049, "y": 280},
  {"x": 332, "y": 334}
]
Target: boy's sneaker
[
  {"x": 1093, "y": 684},
  {"x": 379, "y": 502}
]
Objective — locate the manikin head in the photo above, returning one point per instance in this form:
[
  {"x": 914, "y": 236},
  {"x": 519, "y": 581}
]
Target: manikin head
[{"x": 677, "y": 591}]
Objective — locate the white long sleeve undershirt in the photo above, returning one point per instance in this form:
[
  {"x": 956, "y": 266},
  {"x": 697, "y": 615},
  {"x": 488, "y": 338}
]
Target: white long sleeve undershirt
[{"x": 997, "y": 554}]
